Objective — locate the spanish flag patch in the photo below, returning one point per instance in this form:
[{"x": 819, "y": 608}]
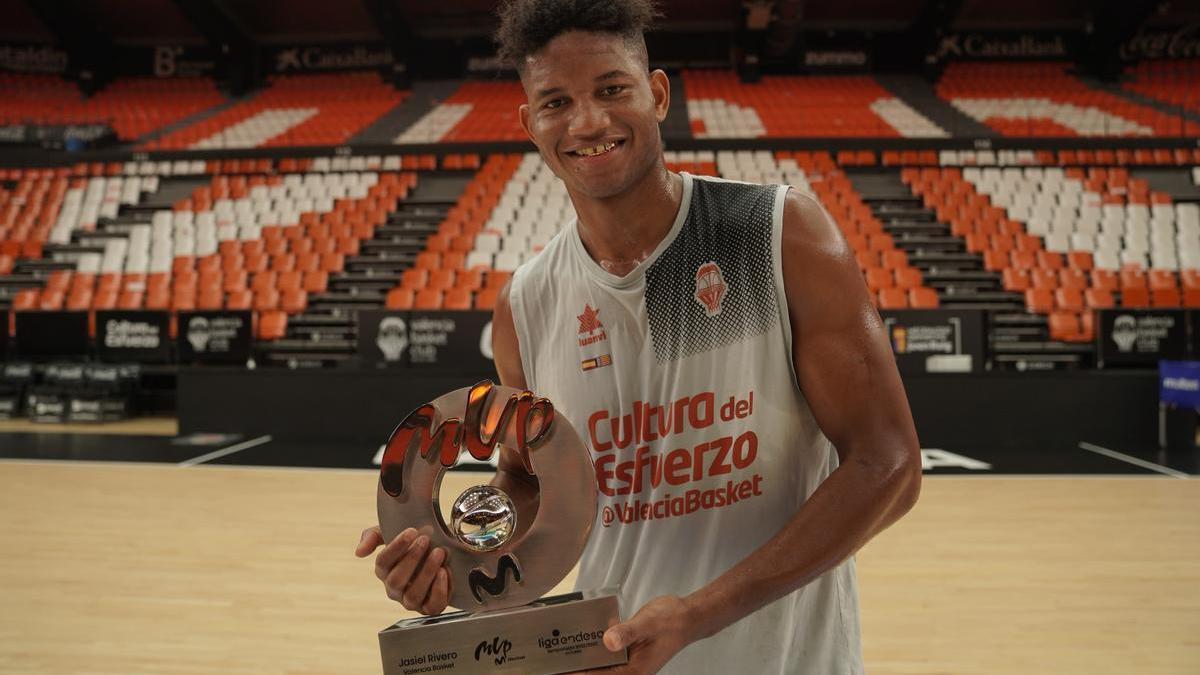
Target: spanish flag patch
[{"x": 598, "y": 362}]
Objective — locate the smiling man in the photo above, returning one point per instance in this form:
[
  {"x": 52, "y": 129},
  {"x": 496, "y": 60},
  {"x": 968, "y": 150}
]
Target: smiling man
[{"x": 715, "y": 343}]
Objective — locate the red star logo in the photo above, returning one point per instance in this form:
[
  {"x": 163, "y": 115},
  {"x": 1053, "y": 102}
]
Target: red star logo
[{"x": 589, "y": 320}]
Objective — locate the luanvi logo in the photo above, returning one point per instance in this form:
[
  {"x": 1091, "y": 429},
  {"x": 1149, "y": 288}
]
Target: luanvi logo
[
  {"x": 591, "y": 330},
  {"x": 480, "y": 582},
  {"x": 497, "y": 649}
]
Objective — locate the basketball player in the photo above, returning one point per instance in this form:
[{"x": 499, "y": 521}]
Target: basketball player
[{"x": 715, "y": 344}]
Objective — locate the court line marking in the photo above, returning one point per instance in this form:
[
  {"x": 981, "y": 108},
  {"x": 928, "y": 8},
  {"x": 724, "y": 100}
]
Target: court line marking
[
  {"x": 217, "y": 454},
  {"x": 1113, "y": 454}
]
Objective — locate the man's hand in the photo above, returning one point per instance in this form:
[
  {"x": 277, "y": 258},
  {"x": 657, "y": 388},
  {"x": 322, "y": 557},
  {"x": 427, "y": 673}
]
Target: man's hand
[
  {"x": 654, "y": 635},
  {"x": 414, "y": 579}
]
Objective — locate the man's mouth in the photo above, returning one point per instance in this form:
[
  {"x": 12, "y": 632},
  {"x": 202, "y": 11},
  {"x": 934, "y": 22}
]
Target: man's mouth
[{"x": 596, "y": 150}]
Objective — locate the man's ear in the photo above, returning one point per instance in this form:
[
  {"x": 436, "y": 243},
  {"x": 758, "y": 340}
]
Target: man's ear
[
  {"x": 660, "y": 88},
  {"x": 523, "y": 116}
]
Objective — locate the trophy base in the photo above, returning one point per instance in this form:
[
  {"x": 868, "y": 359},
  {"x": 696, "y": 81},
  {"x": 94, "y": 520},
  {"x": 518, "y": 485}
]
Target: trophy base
[{"x": 557, "y": 634}]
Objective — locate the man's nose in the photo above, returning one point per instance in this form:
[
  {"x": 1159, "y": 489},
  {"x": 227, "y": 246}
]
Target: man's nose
[{"x": 588, "y": 119}]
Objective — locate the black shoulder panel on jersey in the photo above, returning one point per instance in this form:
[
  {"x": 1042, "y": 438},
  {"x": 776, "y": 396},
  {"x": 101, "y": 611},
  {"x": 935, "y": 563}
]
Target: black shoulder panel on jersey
[{"x": 689, "y": 312}]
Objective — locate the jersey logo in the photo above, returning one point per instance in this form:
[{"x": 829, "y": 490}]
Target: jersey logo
[
  {"x": 591, "y": 330},
  {"x": 710, "y": 288}
]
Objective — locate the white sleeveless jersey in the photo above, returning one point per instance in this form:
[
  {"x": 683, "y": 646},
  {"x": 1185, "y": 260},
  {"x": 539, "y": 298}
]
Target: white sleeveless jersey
[{"x": 679, "y": 378}]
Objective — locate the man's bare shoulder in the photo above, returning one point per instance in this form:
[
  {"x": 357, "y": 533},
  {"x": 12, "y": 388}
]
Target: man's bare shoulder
[{"x": 813, "y": 244}]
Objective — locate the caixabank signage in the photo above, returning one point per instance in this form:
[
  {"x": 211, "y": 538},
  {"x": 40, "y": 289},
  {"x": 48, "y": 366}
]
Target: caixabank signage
[
  {"x": 1130, "y": 337},
  {"x": 330, "y": 57},
  {"x": 436, "y": 340},
  {"x": 936, "y": 341},
  {"x": 215, "y": 337},
  {"x": 142, "y": 337}
]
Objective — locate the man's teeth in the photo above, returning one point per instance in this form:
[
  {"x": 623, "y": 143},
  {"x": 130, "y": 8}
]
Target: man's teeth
[{"x": 596, "y": 150}]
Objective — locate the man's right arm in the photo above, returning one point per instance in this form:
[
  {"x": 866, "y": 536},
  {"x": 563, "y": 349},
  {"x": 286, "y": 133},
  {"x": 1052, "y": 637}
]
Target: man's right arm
[{"x": 506, "y": 350}]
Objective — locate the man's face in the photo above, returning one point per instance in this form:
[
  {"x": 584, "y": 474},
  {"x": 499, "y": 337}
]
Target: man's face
[{"x": 593, "y": 111}]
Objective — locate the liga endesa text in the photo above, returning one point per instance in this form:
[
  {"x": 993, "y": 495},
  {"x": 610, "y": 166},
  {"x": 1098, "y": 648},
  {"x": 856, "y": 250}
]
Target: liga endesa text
[{"x": 637, "y": 451}]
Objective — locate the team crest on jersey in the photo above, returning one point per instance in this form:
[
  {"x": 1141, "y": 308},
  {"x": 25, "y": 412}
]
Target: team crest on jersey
[
  {"x": 710, "y": 288},
  {"x": 591, "y": 330}
]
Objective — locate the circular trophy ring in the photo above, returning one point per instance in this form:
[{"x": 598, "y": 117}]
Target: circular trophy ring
[{"x": 509, "y": 556}]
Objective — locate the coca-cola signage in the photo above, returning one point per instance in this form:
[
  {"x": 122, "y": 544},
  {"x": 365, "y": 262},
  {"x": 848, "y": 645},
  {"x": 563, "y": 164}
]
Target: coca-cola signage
[{"x": 1168, "y": 43}]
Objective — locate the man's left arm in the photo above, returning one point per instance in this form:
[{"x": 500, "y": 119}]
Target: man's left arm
[{"x": 843, "y": 362}]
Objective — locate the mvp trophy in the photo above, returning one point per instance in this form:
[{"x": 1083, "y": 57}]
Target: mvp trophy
[{"x": 506, "y": 550}]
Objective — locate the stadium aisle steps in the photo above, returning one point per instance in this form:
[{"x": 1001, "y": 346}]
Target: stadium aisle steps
[
  {"x": 958, "y": 276},
  {"x": 1142, "y": 99},
  {"x": 327, "y": 331},
  {"x": 677, "y": 125},
  {"x": 920, "y": 96},
  {"x": 195, "y": 118},
  {"x": 425, "y": 95}
]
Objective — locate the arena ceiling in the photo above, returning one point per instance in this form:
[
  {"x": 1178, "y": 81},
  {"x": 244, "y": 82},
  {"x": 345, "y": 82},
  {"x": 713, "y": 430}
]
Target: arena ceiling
[{"x": 187, "y": 22}]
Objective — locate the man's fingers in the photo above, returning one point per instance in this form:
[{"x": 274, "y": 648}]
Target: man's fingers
[
  {"x": 439, "y": 594},
  {"x": 369, "y": 541},
  {"x": 400, "y": 577},
  {"x": 392, "y": 552},
  {"x": 418, "y": 588}
]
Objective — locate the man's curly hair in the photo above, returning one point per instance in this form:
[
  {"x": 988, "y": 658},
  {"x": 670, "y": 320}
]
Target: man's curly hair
[{"x": 528, "y": 25}]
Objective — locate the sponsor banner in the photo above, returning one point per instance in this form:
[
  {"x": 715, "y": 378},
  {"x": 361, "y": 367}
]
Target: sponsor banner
[
  {"x": 936, "y": 341},
  {"x": 138, "y": 336},
  {"x": 57, "y": 136},
  {"x": 836, "y": 60},
  {"x": 844, "y": 53},
  {"x": 436, "y": 340},
  {"x": 1126, "y": 337},
  {"x": 1002, "y": 46},
  {"x": 52, "y": 334},
  {"x": 33, "y": 58},
  {"x": 1182, "y": 42},
  {"x": 1179, "y": 383},
  {"x": 167, "y": 61},
  {"x": 215, "y": 337},
  {"x": 317, "y": 58}
]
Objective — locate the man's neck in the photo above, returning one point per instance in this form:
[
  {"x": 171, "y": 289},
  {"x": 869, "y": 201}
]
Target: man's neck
[{"x": 621, "y": 231}]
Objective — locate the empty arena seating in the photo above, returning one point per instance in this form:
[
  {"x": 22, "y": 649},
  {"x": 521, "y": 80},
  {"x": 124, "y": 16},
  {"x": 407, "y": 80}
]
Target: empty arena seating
[
  {"x": 477, "y": 111},
  {"x": 1071, "y": 241},
  {"x": 506, "y": 214},
  {"x": 721, "y": 106},
  {"x": 258, "y": 242},
  {"x": 133, "y": 107},
  {"x": 293, "y": 110},
  {"x": 891, "y": 280},
  {"x": 1044, "y": 99},
  {"x": 1175, "y": 83}
]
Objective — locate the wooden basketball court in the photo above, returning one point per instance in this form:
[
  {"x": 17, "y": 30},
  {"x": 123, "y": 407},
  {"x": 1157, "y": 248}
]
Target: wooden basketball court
[{"x": 140, "y": 568}]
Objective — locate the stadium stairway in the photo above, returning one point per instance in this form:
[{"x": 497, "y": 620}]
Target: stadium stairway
[
  {"x": 327, "y": 332},
  {"x": 1018, "y": 339},
  {"x": 920, "y": 96},
  {"x": 958, "y": 276},
  {"x": 677, "y": 126},
  {"x": 1175, "y": 181},
  {"x": 424, "y": 97},
  {"x": 193, "y": 119},
  {"x": 1116, "y": 89}
]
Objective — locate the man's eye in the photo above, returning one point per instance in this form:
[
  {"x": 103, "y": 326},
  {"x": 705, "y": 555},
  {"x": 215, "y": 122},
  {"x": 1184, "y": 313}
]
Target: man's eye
[
  {"x": 613, "y": 90},
  {"x": 554, "y": 103}
]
